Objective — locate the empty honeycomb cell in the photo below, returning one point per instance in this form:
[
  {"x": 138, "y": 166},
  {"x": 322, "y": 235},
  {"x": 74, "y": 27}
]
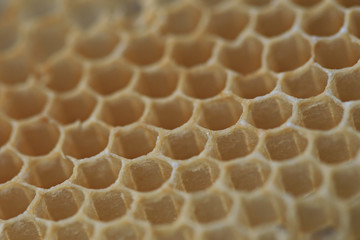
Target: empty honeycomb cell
[
  {"x": 325, "y": 21},
  {"x": 49, "y": 171},
  {"x": 220, "y": 113},
  {"x": 8, "y": 36},
  {"x": 182, "y": 20},
  {"x": 228, "y": 23},
  {"x": 244, "y": 58},
  {"x": 99, "y": 173},
  {"x": 253, "y": 86},
  {"x": 134, "y": 143},
  {"x": 355, "y": 114},
  {"x": 284, "y": 144},
  {"x": 184, "y": 145},
  {"x": 260, "y": 210},
  {"x": 125, "y": 231},
  {"x": 337, "y": 53},
  {"x": 147, "y": 175},
  {"x": 145, "y": 50},
  {"x": 9, "y": 68},
  {"x": 88, "y": 45},
  {"x": 46, "y": 39},
  {"x": 235, "y": 144},
  {"x": 198, "y": 175},
  {"x": 107, "y": 206},
  {"x": 346, "y": 86},
  {"x": 64, "y": 74},
  {"x": 307, "y": 3},
  {"x": 248, "y": 176},
  {"x": 300, "y": 178},
  {"x": 170, "y": 114},
  {"x": 75, "y": 231},
  {"x": 14, "y": 200},
  {"x": 270, "y": 112},
  {"x": 84, "y": 14},
  {"x": 77, "y": 107},
  {"x": 345, "y": 181},
  {"x": 37, "y": 137},
  {"x": 59, "y": 204},
  {"x": 85, "y": 141},
  {"x": 305, "y": 83},
  {"x": 210, "y": 207},
  {"x": 354, "y": 23},
  {"x": 22, "y": 229},
  {"x": 349, "y": 3},
  {"x": 192, "y": 53},
  {"x": 24, "y": 103},
  {"x": 275, "y": 21},
  {"x": 161, "y": 209},
  {"x": 6, "y": 130},
  {"x": 321, "y": 114},
  {"x": 157, "y": 83},
  {"x": 10, "y": 165},
  {"x": 204, "y": 83},
  {"x": 288, "y": 53},
  {"x": 337, "y": 147}
]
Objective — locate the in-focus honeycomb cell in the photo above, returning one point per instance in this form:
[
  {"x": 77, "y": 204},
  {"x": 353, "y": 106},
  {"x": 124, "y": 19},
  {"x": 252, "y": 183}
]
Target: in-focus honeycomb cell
[
  {"x": 10, "y": 165},
  {"x": 344, "y": 181},
  {"x": 346, "y": 85}
]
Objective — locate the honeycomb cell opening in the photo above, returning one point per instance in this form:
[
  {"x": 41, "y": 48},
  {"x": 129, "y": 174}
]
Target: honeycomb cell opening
[
  {"x": 74, "y": 230},
  {"x": 346, "y": 85},
  {"x": 84, "y": 14},
  {"x": 9, "y": 68},
  {"x": 219, "y": 204},
  {"x": 22, "y": 229},
  {"x": 10, "y": 165},
  {"x": 344, "y": 181}
]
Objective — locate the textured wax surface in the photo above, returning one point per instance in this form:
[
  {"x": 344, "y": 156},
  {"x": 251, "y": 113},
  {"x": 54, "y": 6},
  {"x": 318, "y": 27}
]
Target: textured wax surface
[{"x": 181, "y": 120}]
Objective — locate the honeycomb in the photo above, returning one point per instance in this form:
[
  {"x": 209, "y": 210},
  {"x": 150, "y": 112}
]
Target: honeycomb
[{"x": 169, "y": 119}]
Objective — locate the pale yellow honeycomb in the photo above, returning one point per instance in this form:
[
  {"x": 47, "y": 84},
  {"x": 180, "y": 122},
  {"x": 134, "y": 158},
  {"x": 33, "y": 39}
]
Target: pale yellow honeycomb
[{"x": 179, "y": 119}]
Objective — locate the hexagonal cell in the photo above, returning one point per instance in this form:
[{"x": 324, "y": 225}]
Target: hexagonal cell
[
  {"x": 317, "y": 22},
  {"x": 204, "y": 83},
  {"x": 88, "y": 46},
  {"x": 354, "y": 23},
  {"x": 300, "y": 178},
  {"x": 253, "y": 86},
  {"x": 8, "y": 36},
  {"x": 23, "y": 103},
  {"x": 197, "y": 176},
  {"x": 10, "y": 165},
  {"x": 50, "y": 171},
  {"x": 10, "y": 65},
  {"x": 170, "y": 114},
  {"x": 84, "y": 14},
  {"x": 145, "y": 50},
  {"x": 184, "y": 145},
  {"x": 337, "y": 53},
  {"x": 337, "y": 147},
  {"x": 161, "y": 209},
  {"x": 307, "y": 3},
  {"x": 275, "y": 21},
  {"x": 355, "y": 114},
  {"x": 59, "y": 204},
  {"x": 14, "y": 200},
  {"x": 305, "y": 83},
  {"x": 288, "y": 53},
  {"x": 261, "y": 209},
  {"x": 157, "y": 83},
  {"x": 219, "y": 113},
  {"x": 349, "y": 3},
  {"x": 219, "y": 203},
  {"x": 345, "y": 181},
  {"x": 6, "y": 130},
  {"x": 46, "y": 39},
  {"x": 147, "y": 175},
  {"x": 22, "y": 229},
  {"x": 109, "y": 78},
  {"x": 228, "y": 23},
  {"x": 125, "y": 230},
  {"x": 85, "y": 141},
  {"x": 134, "y": 143},
  {"x": 35, "y": 138},
  {"x": 107, "y": 206},
  {"x": 320, "y": 114},
  {"x": 99, "y": 173},
  {"x": 235, "y": 144},
  {"x": 248, "y": 176},
  {"x": 285, "y": 144},
  {"x": 69, "y": 109},
  {"x": 192, "y": 53},
  {"x": 244, "y": 58},
  {"x": 64, "y": 74},
  {"x": 346, "y": 85},
  {"x": 182, "y": 20},
  {"x": 74, "y": 230},
  {"x": 270, "y": 112}
]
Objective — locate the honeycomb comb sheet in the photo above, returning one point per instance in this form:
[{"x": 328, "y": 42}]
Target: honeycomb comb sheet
[{"x": 179, "y": 119}]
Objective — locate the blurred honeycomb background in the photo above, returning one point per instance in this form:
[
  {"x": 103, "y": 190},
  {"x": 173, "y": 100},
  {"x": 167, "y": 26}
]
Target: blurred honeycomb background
[{"x": 179, "y": 119}]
